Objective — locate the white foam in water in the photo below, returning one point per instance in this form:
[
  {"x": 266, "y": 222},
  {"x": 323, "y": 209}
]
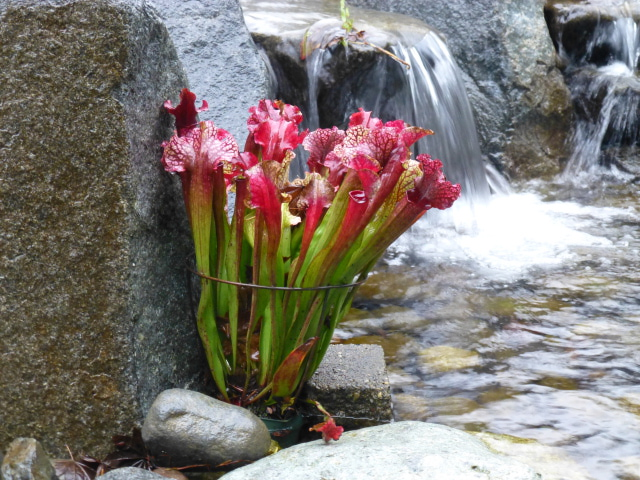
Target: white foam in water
[{"x": 509, "y": 235}]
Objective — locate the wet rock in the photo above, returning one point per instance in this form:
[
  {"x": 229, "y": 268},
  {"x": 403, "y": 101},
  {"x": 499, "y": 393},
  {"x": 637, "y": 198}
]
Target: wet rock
[
  {"x": 521, "y": 103},
  {"x": 189, "y": 428},
  {"x": 351, "y": 383},
  {"x": 221, "y": 61},
  {"x": 572, "y": 24},
  {"x": 407, "y": 450},
  {"x": 26, "y": 460},
  {"x": 443, "y": 358},
  {"x": 93, "y": 233},
  {"x": 131, "y": 473},
  {"x": 551, "y": 462}
]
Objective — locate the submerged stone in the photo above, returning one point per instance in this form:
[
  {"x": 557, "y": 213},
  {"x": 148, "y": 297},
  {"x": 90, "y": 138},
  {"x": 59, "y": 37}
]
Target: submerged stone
[
  {"x": 94, "y": 319},
  {"x": 443, "y": 358}
]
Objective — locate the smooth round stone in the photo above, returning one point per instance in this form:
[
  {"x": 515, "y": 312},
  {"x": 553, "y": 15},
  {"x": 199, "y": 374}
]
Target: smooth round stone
[{"x": 189, "y": 428}]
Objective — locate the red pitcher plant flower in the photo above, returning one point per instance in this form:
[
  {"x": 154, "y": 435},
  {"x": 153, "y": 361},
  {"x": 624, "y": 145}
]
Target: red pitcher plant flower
[{"x": 280, "y": 272}]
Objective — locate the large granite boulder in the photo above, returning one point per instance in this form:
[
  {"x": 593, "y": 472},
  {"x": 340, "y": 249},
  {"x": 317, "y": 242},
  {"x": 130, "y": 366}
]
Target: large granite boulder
[
  {"x": 406, "y": 450},
  {"x": 223, "y": 64},
  {"x": 93, "y": 239},
  {"x": 521, "y": 104}
]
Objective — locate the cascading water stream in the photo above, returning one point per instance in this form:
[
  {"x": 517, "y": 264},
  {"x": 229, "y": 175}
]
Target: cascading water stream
[{"x": 605, "y": 90}]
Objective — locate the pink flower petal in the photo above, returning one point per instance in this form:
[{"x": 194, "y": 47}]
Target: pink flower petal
[
  {"x": 432, "y": 190},
  {"x": 319, "y": 144},
  {"x": 273, "y": 130},
  {"x": 266, "y": 197},
  {"x": 365, "y": 119}
]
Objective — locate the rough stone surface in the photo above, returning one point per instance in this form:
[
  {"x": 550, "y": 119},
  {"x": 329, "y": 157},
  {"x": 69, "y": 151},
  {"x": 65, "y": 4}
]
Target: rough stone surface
[
  {"x": 351, "y": 383},
  {"x": 26, "y": 460},
  {"x": 93, "y": 318},
  {"x": 403, "y": 450},
  {"x": 189, "y": 428},
  {"x": 221, "y": 61},
  {"x": 131, "y": 473},
  {"x": 521, "y": 104}
]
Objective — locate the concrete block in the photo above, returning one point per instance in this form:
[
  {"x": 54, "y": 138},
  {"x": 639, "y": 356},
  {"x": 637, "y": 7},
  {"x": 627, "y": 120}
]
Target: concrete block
[{"x": 352, "y": 384}]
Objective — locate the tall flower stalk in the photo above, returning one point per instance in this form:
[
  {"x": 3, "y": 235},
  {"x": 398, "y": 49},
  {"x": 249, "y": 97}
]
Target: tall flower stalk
[{"x": 280, "y": 272}]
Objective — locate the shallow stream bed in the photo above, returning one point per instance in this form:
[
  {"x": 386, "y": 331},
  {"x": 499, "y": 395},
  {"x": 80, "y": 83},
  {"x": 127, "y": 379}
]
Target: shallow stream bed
[{"x": 526, "y": 325}]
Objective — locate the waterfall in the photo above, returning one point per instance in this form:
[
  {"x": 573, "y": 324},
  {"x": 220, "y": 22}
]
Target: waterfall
[
  {"x": 601, "y": 72},
  {"x": 335, "y": 81},
  {"x": 436, "y": 97}
]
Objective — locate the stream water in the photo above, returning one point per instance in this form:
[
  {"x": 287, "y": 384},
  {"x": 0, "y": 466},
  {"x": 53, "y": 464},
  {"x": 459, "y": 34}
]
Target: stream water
[{"x": 528, "y": 326}]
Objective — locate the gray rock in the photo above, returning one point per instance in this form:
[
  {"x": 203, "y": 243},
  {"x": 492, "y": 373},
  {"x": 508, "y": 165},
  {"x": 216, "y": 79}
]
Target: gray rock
[
  {"x": 27, "y": 460},
  {"x": 352, "y": 384},
  {"x": 522, "y": 106},
  {"x": 188, "y": 428},
  {"x": 93, "y": 235},
  {"x": 131, "y": 473},
  {"x": 221, "y": 61},
  {"x": 403, "y": 450}
]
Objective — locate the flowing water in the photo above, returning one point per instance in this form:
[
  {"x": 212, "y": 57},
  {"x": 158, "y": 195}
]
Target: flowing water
[
  {"x": 519, "y": 312},
  {"x": 529, "y": 326},
  {"x": 605, "y": 90}
]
